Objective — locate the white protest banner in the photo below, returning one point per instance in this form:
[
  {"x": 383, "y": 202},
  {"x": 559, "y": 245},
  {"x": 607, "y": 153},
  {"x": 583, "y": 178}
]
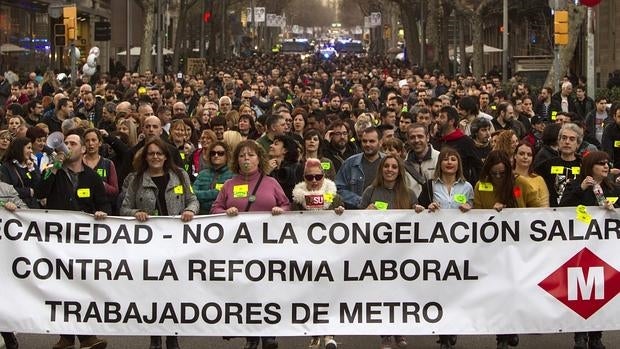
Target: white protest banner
[{"x": 361, "y": 273}]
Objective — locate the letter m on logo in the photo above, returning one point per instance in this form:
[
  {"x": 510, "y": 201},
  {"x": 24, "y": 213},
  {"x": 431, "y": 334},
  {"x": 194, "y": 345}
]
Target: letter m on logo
[{"x": 584, "y": 284}]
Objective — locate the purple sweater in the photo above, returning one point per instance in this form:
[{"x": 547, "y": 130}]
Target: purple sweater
[{"x": 268, "y": 195}]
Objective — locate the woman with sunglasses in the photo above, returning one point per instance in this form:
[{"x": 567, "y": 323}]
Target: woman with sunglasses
[
  {"x": 317, "y": 193},
  {"x": 592, "y": 188},
  {"x": 212, "y": 177},
  {"x": 499, "y": 188}
]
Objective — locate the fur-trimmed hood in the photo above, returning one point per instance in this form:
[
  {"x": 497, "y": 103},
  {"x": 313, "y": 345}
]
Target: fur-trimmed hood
[{"x": 328, "y": 190}]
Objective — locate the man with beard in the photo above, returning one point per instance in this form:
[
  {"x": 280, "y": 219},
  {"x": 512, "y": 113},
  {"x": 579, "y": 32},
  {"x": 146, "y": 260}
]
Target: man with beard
[
  {"x": 90, "y": 109},
  {"x": 359, "y": 171},
  {"x": 109, "y": 93},
  {"x": 505, "y": 120},
  {"x": 35, "y": 112},
  {"x": 481, "y": 134},
  {"x": 190, "y": 99},
  {"x": 452, "y": 136},
  {"x": 543, "y": 106},
  {"x": 64, "y": 110},
  {"x": 337, "y": 147}
]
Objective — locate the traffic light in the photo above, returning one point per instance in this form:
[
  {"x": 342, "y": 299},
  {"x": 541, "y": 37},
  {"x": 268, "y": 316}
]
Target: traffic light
[
  {"x": 560, "y": 27},
  {"x": 59, "y": 35},
  {"x": 103, "y": 31}
]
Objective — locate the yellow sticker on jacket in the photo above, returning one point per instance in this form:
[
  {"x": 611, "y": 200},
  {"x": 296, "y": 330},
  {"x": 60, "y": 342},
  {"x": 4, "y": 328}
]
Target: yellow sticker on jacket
[
  {"x": 554, "y": 115},
  {"x": 460, "y": 199},
  {"x": 326, "y": 165},
  {"x": 485, "y": 186},
  {"x": 612, "y": 199},
  {"x": 328, "y": 197},
  {"x": 83, "y": 193},
  {"x": 557, "y": 169},
  {"x": 576, "y": 170},
  {"x": 182, "y": 154},
  {"x": 219, "y": 186},
  {"x": 240, "y": 191},
  {"x": 178, "y": 189},
  {"x": 616, "y": 144},
  {"x": 380, "y": 205}
]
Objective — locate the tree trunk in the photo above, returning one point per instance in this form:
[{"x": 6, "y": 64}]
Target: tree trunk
[
  {"x": 478, "y": 64},
  {"x": 463, "y": 57},
  {"x": 146, "y": 58},
  {"x": 576, "y": 18},
  {"x": 444, "y": 46},
  {"x": 432, "y": 32},
  {"x": 409, "y": 17},
  {"x": 180, "y": 35}
]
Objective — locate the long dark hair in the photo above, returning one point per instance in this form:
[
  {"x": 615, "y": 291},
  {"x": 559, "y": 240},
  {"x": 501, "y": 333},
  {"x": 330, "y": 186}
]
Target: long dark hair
[
  {"x": 504, "y": 191},
  {"x": 141, "y": 165},
  {"x": 15, "y": 151}
]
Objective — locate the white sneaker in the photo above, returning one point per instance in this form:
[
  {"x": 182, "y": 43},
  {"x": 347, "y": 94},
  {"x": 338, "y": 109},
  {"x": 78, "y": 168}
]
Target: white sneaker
[{"x": 330, "y": 343}]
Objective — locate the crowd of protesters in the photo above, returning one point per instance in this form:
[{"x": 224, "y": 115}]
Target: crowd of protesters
[{"x": 266, "y": 133}]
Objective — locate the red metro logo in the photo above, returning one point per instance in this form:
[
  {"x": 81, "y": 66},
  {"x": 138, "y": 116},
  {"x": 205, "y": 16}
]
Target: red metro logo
[{"x": 585, "y": 283}]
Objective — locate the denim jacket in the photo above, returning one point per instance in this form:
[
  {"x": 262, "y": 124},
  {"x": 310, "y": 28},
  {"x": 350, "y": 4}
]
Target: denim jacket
[{"x": 350, "y": 181}]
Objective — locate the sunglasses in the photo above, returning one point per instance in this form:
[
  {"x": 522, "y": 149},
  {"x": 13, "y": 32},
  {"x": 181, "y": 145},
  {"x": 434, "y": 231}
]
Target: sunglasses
[
  {"x": 316, "y": 177},
  {"x": 602, "y": 163},
  {"x": 218, "y": 153}
]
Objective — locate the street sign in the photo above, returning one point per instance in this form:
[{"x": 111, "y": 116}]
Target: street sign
[
  {"x": 103, "y": 31},
  {"x": 375, "y": 19},
  {"x": 259, "y": 14}
]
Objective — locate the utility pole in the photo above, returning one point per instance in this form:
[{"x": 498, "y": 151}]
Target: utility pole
[
  {"x": 505, "y": 43},
  {"x": 159, "y": 22},
  {"x": 591, "y": 86},
  {"x": 202, "y": 28},
  {"x": 128, "y": 43}
]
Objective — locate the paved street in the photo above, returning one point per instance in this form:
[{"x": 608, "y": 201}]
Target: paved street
[{"x": 611, "y": 340}]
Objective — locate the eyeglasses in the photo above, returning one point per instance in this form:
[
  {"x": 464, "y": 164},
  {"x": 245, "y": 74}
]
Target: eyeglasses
[
  {"x": 602, "y": 163},
  {"x": 339, "y": 134},
  {"x": 155, "y": 154},
  {"x": 218, "y": 153},
  {"x": 316, "y": 177},
  {"x": 499, "y": 174}
]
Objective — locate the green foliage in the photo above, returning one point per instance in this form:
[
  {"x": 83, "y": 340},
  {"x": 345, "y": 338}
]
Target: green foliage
[{"x": 612, "y": 95}]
